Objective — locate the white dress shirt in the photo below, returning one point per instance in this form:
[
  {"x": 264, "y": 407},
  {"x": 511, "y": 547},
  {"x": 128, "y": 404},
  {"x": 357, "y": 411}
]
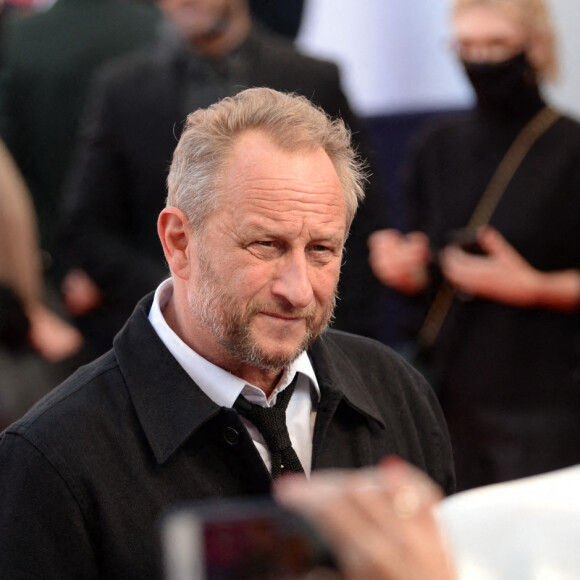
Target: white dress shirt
[{"x": 224, "y": 388}]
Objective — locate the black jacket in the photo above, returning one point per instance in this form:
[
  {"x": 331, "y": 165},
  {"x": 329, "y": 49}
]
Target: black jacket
[{"x": 87, "y": 473}]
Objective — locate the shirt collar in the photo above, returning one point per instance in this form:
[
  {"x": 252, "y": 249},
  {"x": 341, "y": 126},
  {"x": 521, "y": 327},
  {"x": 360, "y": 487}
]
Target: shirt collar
[
  {"x": 171, "y": 407},
  {"x": 218, "y": 384}
]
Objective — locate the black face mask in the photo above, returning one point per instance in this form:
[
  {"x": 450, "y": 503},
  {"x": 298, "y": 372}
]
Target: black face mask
[{"x": 503, "y": 87}]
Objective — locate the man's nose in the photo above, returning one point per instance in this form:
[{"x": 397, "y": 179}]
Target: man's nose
[{"x": 292, "y": 281}]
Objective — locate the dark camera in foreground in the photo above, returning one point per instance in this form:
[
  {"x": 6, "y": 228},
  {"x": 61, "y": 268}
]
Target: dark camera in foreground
[{"x": 242, "y": 539}]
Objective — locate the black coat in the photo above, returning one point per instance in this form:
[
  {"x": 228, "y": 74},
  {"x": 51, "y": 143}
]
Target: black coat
[
  {"x": 508, "y": 376},
  {"x": 87, "y": 473}
]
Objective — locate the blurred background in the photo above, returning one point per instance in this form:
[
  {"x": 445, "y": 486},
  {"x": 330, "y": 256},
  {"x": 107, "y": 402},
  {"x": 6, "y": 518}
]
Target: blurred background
[
  {"x": 397, "y": 70},
  {"x": 395, "y": 55}
]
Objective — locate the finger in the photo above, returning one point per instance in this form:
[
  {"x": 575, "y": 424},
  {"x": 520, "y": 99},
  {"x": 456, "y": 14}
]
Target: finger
[
  {"x": 383, "y": 524},
  {"x": 418, "y": 238},
  {"x": 449, "y": 257},
  {"x": 462, "y": 270},
  {"x": 419, "y": 248},
  {"x": 381, "y": 238},
  {"x": 397, "y": 473},
  {"x": 378, "y": 521},
  {"x": 493, "y": 243},
  {"x": 370, "y": 497},
  {"x": 306, "y": 496}
]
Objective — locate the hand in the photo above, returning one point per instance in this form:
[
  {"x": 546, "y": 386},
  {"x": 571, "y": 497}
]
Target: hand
[
  {"x": 50, "y": 336},
  {"x": 379, "y": 522},
  {"x": 400, "y": 261},
  {"x": 81, "y": 295},
  {"x": 502, "y": 275}
]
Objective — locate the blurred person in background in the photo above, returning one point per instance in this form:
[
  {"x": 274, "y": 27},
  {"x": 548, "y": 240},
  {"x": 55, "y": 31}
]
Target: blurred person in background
[
  {"x": 210, "y": 49},
  {"x": 505, "y": 353},
  {"x": 283, "y": 16},
  {"x": 34, "y": 341},
  {"x": 47, "y": 58}
]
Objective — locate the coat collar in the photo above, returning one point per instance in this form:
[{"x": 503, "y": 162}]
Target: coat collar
[
  {"x": 171, "y": 407},
  {"x": 336, "y": 373}
]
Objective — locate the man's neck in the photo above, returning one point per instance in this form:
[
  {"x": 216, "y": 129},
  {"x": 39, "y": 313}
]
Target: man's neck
[{"x": 265, "y": 380}]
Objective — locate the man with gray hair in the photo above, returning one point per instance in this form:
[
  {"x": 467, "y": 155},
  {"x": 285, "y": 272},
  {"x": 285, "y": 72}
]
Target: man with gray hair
[
  {"x": 210, "y": 49},
  {"x": 226, "y": 377}
]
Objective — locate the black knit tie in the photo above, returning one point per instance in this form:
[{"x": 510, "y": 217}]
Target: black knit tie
[{"x": 271, "y": 422}]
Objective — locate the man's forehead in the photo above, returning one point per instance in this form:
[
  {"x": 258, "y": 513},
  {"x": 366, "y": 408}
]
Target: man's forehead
[
  {"x": 284, "y": 213},
  {"x": 284, "y": 198},
  {"x": 253, "y": 144}
]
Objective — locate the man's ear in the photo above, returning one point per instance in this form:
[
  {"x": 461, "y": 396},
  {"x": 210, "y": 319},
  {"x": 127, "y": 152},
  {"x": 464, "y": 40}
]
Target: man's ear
[{"x": 177, "y": 240}]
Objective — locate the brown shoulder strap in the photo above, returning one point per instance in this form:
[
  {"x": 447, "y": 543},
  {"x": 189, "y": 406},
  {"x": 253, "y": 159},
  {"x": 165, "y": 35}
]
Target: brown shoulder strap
[{"x": 489, "y": 200}]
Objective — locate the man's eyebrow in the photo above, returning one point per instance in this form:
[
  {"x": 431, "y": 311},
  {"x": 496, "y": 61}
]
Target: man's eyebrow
[{"x": 258, "y": 229}]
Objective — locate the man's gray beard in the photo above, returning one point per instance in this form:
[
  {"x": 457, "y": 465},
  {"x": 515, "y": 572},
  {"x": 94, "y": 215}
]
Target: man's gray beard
[{"x": 232, "y": 329}]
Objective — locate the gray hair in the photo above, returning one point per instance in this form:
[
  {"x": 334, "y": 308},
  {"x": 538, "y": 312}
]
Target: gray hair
[{"x": 292, "y": 122}]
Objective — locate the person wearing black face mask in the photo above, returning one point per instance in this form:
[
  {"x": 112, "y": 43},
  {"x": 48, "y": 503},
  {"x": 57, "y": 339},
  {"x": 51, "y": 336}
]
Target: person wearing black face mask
[
  {"x": 497, "y": 304},
  {"x": 508, "y": 87}
]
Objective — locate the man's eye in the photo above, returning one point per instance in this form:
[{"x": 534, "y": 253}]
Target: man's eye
[
  {"x": 321, "y": 249},
  {"x": 264, "y": 248},
  {"x": 321, "y": 254}
]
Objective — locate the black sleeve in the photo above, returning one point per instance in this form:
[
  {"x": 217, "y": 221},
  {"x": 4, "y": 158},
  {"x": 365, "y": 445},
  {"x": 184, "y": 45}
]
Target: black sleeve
[
  {"x": 97, "y": 217},
  {"x": 42, "y": 530}
]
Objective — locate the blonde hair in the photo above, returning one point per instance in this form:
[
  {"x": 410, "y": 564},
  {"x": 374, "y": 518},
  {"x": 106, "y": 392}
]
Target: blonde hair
[
  {"x": 535, "y": 16},
  {"x": 292, "y": 122}
]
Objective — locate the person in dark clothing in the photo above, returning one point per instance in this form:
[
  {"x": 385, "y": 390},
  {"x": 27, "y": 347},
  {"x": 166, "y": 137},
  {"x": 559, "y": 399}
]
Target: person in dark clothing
[
  {"x": 37, "y": 347},
  {"x": 262, "y": 188},
  {"x": 506, "y": 354},
  {"x": 283, "y": 16},
  {"x": 117, "y": 186},
  {"x": 46, "y": 63}
]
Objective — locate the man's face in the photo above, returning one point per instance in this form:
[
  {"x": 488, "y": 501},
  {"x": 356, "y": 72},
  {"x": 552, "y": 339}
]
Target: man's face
[
  {"x": 197, "y": 18},
  {"x": 266, "y": 267}
]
